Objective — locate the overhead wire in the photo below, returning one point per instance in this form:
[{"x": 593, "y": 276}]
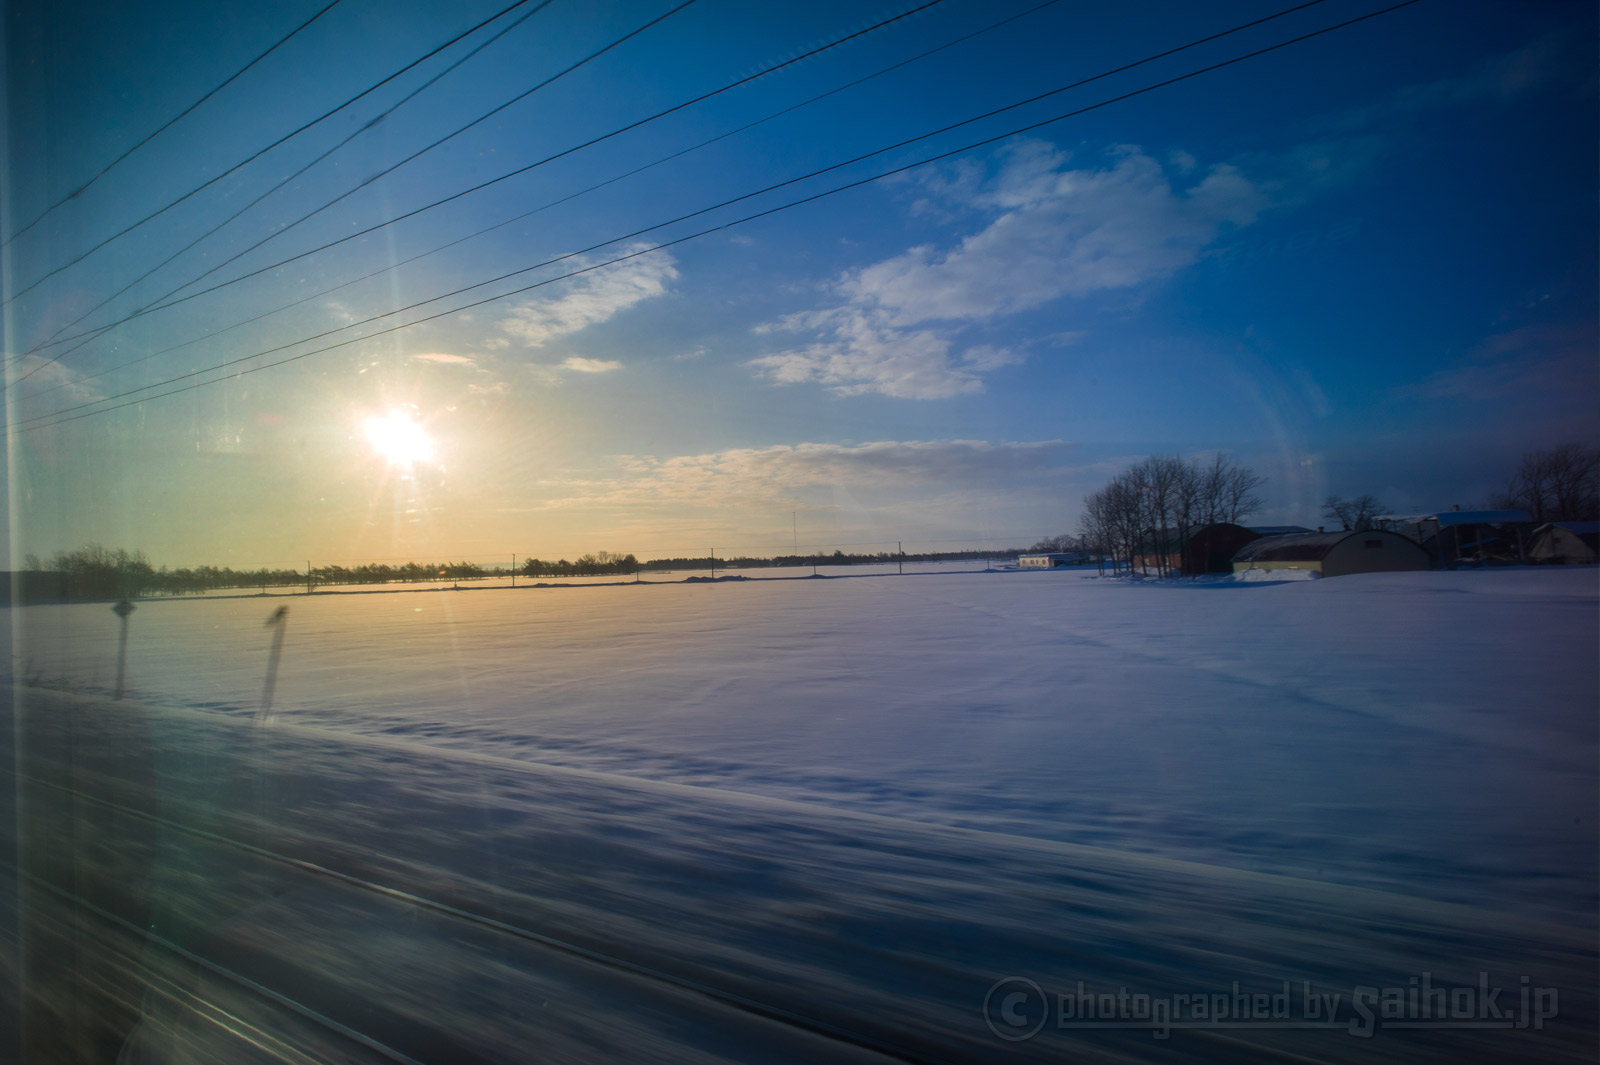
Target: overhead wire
[
  {"x": 100, "y": 331},
  {"x": 258, "y": 153},
  {"x": 285, "y": 181},
  {"x": 679, "y": 240},
  {"x": 174, "y": 120},
  {"x": 901, "y": 144},
  {"x": 158, "y": 303},
  {"x": 23, "y": 426},
  {"x": 591, "y": 57}
]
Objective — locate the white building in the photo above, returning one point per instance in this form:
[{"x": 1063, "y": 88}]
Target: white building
[{"x": 1050, "y": 561}]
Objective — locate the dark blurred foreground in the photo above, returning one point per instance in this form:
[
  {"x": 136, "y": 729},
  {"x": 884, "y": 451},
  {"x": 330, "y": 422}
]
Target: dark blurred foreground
[{"x": 188, "y": 886}]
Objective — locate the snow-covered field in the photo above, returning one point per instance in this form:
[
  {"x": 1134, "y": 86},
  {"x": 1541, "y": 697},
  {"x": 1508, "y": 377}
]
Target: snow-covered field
[{"x": 1420, "y": 746}]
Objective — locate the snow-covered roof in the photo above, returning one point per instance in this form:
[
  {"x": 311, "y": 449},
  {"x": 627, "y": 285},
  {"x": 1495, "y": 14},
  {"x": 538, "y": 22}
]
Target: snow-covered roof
[
  {"x": 1459, "y": 517},
  {"x": 1311, "y": 547},
  {"x": 1307, "y": 547},
  {"x": 1277, "y": 530}
]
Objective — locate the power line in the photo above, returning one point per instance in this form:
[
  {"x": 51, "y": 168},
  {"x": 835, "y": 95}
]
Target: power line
[
  {"x": 14, "y": 428},
  {"x": 276, "y": 233},
  {"x": 81, "y": 189},
  {"x": 671, "y": 243},
  {"x": 260, "y": 152},
  {"x": 607, "y": 136},
  {"x": 91, "y": 334},
  {"x": 157, "y": 304},
  {"x": 352, "y": 136},
  {"x": 901, "y": 144}
]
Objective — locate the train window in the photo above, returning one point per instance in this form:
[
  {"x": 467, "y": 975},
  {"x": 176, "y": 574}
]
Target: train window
[{"x": 686, "y": 530}]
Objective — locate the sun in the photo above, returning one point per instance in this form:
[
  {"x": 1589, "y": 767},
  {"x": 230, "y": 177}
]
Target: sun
[{"x": 399, "y": 439}]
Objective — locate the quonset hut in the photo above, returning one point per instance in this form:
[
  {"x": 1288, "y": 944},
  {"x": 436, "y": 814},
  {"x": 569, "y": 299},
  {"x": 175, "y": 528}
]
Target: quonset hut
[
  {"x": 1566, "y": 541},
  {"x": 1333, "y": 554}
]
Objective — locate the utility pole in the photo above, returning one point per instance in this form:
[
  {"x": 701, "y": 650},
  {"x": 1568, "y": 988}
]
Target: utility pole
[
  {"x": 794, "y": 525},
  {"x": 713, "y": 563},
  {"x": 308, "y": 576},
  {"x": 513, "y": 570},
  {"x": 900, "y": 550}
]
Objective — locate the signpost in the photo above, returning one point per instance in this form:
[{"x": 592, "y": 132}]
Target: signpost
[
  {"x": 277, "y": 622},
  {"x": 122, "y": 610}
]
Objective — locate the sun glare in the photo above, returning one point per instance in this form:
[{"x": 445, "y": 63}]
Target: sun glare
[{"x": 399, "y": 439}]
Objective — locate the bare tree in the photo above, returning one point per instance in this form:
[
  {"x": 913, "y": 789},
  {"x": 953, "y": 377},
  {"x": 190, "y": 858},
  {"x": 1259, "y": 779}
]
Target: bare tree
[
  {"x": 1163, "y": 499},
  {"x": 1161, "y": 477},
  {"x": 1353, "y": 515},
  {"x": 1239, "y": 499},
  {"x": 1095, "y": 528},
  {"x": 1561, "y": 484},
  {"x": 1064, "y": 542}
]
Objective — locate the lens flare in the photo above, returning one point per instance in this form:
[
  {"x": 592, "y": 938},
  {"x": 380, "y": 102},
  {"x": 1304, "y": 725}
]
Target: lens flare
[{"x": 399, "y": 439}]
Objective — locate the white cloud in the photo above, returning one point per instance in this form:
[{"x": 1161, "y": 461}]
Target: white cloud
[
  {"x": 443, "y": 358},
  {"x": 45, "y": 376},
  {"x": 591, "y": 298},
  {"x": 583, "y": 365},
  {"x": 1552, "y": 359},
  {"x": 785, "y": 476},
  {"x": 1062, "y": 232},
  {"x": 862, "y": 355},
  {"x": 1055, "y": 232}
]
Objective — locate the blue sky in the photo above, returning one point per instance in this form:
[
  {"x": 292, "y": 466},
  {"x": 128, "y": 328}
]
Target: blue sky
[{"x": 1362, "y": 263}]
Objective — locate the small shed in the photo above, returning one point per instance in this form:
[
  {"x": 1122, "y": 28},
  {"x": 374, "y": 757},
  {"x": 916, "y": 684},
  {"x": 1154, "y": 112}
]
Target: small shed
[
  {"x": 1565, "y": 541},
  {"x": 1165, "y": 554},
  {"x": 1333, "y": 554},
  {"x": 1211, "y": 548}
]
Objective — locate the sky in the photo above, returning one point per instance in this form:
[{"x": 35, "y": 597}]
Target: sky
[{"x": 930, "y": 285}]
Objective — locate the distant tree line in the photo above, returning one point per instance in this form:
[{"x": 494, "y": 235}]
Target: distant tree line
[
  {"x": 377, "y": 573},
  {"x": 1154, "y": 506},
  {"x": 97, "y": 572},
  {"x": 591, "y": 565},
  {"x": 607, "y": 562},
  {"x": 92, "y": 572},
  {"x": 1057, "y": 545}
]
